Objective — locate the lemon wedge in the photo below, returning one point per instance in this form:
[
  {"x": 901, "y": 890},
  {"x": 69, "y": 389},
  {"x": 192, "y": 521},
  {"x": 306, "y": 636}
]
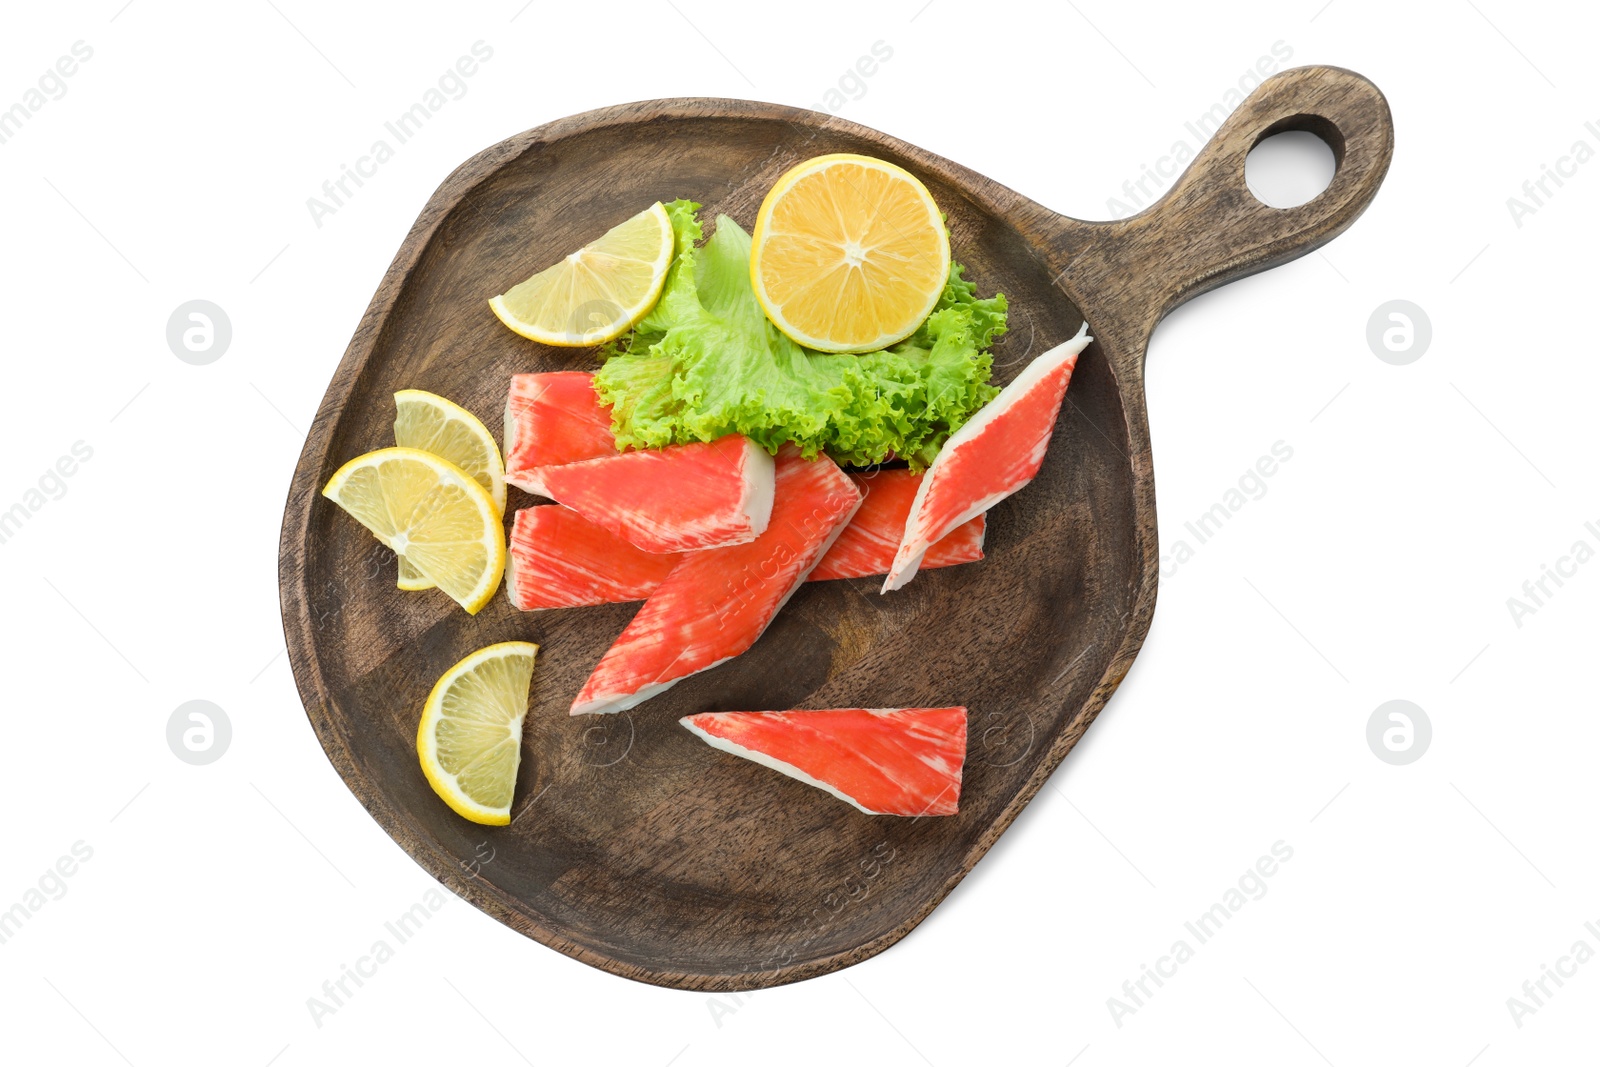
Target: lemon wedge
[
  {"x": 429, "y": 511},
  {"x": 598, "y": 292},
  {"x": 849, "y": 253},
  {"x": 431, "y": 423},
  {"x": 470, "y": 739}
]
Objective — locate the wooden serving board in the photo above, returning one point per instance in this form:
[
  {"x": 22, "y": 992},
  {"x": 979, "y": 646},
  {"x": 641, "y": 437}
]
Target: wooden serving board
[{"x": 634, "y": 846}]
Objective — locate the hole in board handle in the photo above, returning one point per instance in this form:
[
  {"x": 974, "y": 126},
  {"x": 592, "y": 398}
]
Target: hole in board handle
[{"x": 1293, "y": 161}]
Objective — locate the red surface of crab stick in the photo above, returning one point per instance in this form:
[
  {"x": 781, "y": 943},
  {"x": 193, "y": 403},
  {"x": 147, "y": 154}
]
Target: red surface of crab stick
[
  {"x": 553, "y": 419},
  {"x": 680, "y": 498},
  {"x": 885, "y": 761},
  {"x": 996, "y": 452},
  {"x": 717, "y": 602},
  {"x": 868, "y": 544},
  {"x": 559, "y": 559}
]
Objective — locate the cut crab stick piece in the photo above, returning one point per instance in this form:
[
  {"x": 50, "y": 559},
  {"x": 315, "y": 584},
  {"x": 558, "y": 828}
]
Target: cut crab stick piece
[
  {"x": 553, "y": 419},
  {"x": 559, "y": 559},
  {"x": 885, "y": 761},
  {"x": 716, "y": 603},
  {"x": 996, "y": 452},
  {"x": 868, "y": 544},
  {"x": 680, "y": 498}
]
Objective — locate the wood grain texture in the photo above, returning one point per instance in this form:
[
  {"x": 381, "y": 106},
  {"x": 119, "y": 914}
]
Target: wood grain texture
[{"x": 635, "y": 847}]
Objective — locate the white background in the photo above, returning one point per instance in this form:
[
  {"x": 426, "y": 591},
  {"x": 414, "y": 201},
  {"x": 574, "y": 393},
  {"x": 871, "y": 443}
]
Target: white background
[{"x": 1377, "y": 566}]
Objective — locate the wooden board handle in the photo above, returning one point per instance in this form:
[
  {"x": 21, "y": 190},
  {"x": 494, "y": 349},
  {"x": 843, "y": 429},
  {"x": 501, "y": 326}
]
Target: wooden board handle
[{"x": 1210, "y": 229}]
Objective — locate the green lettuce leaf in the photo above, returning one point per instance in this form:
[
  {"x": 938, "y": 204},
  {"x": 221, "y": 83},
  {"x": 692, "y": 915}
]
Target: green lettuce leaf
[{"x": 706, "y": 362}]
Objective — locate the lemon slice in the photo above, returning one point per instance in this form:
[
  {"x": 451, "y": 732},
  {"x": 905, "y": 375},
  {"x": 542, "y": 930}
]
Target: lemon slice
[
  {"x": 849, "y": 254},
  {"x": 595, "y": 294},
  {"x": 470, "y": 738},
  {"x": 430, "y": 422},
  {"x": 432, "y": 513}
]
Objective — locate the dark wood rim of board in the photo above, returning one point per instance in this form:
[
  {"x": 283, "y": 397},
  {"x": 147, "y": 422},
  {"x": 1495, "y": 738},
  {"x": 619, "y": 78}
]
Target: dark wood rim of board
[{"x": 1125, "y": 275}]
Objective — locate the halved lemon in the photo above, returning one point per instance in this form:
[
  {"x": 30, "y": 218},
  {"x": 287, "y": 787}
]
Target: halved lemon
[
  {"x": 470, "y": 738},
  {"x": 432, "y": 513},
  {"x": 595, "y": 294},
  {"x": 849, "y": 254},
  {"x": 430, "y": 422}
]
